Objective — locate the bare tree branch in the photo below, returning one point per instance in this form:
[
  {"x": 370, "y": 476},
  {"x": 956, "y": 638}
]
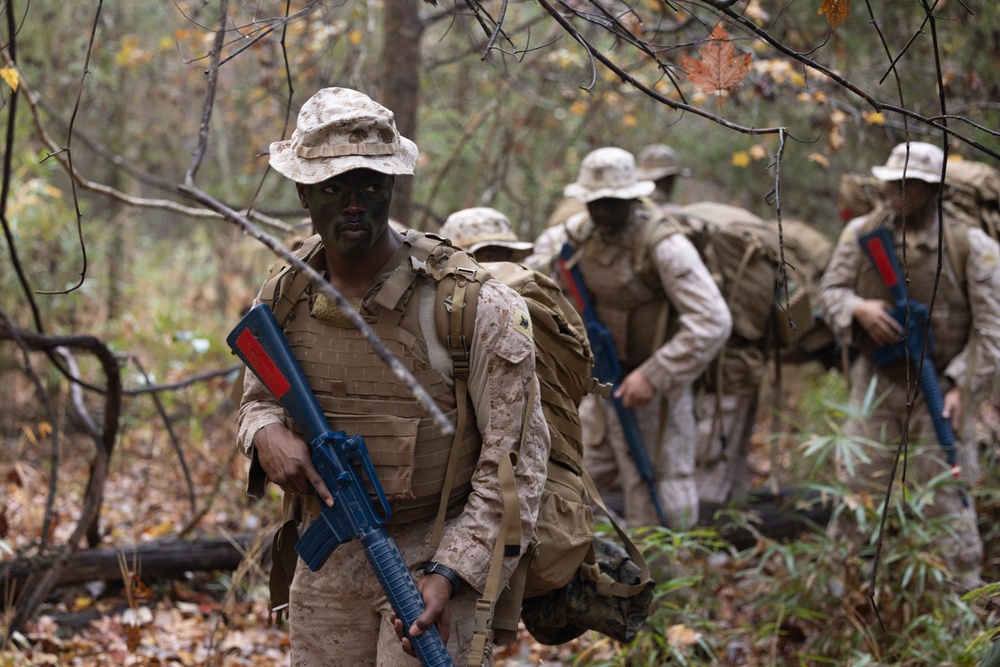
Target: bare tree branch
[{"x": 325, "y": 288}]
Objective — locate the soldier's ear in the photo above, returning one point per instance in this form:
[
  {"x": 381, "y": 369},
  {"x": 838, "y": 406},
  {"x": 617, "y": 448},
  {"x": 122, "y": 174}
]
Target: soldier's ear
[{"x": 301, "y": 189}]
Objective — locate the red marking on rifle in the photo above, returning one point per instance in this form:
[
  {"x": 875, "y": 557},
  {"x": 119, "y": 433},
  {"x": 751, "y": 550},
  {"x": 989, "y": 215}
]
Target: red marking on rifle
[
  {"x": 882, "y": 262},
  {"x": 574, "y": 289},
  {"x": 261, "y": 364}
]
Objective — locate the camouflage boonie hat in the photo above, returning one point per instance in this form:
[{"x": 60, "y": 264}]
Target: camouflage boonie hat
[
  {"x": 915, "y": 159},
  {"x": 475, "y": 228},
  {"x": 658, "y": 160},
  {"x": 566, "y": 613},
  {"x": 608, "y": 173},
  {"x": 339, "y": 130}
]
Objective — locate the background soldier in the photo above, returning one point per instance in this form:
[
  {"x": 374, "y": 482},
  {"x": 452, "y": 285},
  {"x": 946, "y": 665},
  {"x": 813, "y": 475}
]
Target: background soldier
[
  {"x": 661, "y": 164},
  {"x": 966, "y": 330},
  {"x": 668, "y": 319},
  {"x": 486, "y": 233}
]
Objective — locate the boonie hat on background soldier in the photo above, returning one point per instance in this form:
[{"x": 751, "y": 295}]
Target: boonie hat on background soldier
[
  {"x": 608, "y": 173},
  {"x": 922, "y": 161},
  {"x": 656, "y": 161},
  {"x": 473, "y": 229},
  {"x": 338, "y": 130}
]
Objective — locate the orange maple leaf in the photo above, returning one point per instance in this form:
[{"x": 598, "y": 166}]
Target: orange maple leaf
[
  {"x": 836, "y": 11},
  {"x": 719, "y": 68}
]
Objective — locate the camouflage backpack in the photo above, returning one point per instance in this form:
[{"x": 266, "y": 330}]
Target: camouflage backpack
[
  {"x": 972, "y": 197},
  {"x": 741, "y": 252},
  {"x": 570, "y": 580}
]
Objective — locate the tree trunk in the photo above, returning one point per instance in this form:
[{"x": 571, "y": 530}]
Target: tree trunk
[
  {"x": 399, "y": 86},
  {"x": 151, "y": 560}
]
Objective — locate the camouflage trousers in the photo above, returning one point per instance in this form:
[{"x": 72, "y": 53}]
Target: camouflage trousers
[
  {"x": 668, "y": 431},
  {"x": 340, "y": 616},
  {"x": 723, "y": 445},
  {"x": 961, "y": 547}
]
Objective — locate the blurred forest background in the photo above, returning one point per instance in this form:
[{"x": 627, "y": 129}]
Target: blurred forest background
[{"x": 135, "y": 161}]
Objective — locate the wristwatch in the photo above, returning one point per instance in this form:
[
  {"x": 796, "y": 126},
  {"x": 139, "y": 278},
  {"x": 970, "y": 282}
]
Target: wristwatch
[{"x": 457, "y": 583}]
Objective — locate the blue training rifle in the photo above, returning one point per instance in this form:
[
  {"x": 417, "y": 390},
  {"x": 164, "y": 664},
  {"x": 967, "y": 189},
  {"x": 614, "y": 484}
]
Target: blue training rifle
[
  {"x": 914, "y": 317},
  {"x": 260, "y": 343},
  {"x": 607, "y": 368}
]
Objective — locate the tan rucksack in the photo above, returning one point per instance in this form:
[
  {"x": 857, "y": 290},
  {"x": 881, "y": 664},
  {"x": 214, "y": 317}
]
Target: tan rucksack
[
  {"x": 611, "y": 585},
  {"x": 741, "y": 252},
  {"x": 974, "y": 188}
]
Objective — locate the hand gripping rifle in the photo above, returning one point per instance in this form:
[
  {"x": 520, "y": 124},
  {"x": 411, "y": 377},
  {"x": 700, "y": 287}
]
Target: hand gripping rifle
[
  {"x": 607, "y": 368},
  {"x": 259, "y": 342},
  {"x": 914, "y": 317}
]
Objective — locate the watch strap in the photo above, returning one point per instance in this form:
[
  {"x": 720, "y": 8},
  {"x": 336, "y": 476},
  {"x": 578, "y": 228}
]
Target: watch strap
[{"x": 432, "y": 567}]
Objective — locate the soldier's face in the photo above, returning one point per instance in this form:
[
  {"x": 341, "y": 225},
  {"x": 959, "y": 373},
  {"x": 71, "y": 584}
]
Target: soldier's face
[
  {"x": 909, "y": 196},
  {"x": 350, "y": 211},
  {"x": 610, "y": 214},
  {"x": 495, "y": 253}
]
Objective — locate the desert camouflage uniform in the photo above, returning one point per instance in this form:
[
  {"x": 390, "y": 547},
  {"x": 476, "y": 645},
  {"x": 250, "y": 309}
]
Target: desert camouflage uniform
[
  {"x": 966, "y": 321},
  {"x": 339, "y": 615},
  {"x": 699, "y": 324}
]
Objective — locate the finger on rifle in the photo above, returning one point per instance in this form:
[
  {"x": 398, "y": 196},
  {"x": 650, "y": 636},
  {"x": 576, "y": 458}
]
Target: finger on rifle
[
  {"x": 397, "y": 624},
  {"x": 319, "y": 486}
]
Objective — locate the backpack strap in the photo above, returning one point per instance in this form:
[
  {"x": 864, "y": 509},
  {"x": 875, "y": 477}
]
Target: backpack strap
[
  {"x": 590, "y": 569},
  {"x": 486, "y": 605},
  {"x": 456, "y": 299},
  {"x": 282, "y": 291},
  {"x": 956, "y": 241}
]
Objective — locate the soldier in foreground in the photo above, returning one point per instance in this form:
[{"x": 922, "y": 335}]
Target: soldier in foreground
[{"x": 343, "y": 158}]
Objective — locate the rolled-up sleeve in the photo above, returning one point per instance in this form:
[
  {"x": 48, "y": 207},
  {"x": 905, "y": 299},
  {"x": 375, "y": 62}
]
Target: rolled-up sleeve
[
  {"x": 704, "y": 319},
  {"x": 837, "y": 298},
  {"x": 257, "y": 410},
  {"x": 501, "y": 382}
]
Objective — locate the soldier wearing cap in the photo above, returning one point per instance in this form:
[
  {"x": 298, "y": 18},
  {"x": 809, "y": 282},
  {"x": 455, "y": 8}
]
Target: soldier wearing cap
[
  {"x": 658, "y": 163},
  {"x": 661, "y": 164},
  {"x": 668, "y": 319},
  {"x": 966, "y": 332},
  {"x": 343, "y": 158},
  {"x": 486, "y": 233},
  {"x": 725, "y": 413}
]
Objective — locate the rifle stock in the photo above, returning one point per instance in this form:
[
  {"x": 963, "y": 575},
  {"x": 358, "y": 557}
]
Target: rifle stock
[
  {"x": 914, "y": 317},
  {"x": 607, "y": 368},
  {"x": 344, "y": 464}
]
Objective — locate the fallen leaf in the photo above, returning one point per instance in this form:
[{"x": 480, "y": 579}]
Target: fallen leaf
[{"x": 681, "y": 635}]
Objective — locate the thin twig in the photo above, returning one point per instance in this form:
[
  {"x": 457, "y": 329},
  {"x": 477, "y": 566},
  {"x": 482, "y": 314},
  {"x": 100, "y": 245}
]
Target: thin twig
[
  {"x": 69, "y": 158},
  {"x": 210, "y": 88},
  {"x": 174, "y": 440}
]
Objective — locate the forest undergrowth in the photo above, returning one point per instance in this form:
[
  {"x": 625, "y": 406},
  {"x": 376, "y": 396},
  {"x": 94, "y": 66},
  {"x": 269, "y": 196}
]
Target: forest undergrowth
[{"x": 804, "y": 601}]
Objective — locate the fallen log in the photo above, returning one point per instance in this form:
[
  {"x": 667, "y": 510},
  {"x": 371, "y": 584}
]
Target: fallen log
[
  {"x": 779, "y": 516},
  {"x": 162, "y": 559},
  {"x": 782, "y": 516}
]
